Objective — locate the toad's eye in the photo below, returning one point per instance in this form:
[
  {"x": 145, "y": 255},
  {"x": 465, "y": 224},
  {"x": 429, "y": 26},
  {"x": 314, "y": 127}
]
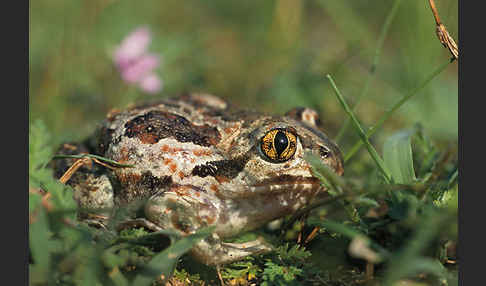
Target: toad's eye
[{"x": 279, "y": 145}]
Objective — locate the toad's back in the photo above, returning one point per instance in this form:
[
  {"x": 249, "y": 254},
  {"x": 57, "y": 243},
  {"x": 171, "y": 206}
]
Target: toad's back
[{"x": 168, "y": 142}]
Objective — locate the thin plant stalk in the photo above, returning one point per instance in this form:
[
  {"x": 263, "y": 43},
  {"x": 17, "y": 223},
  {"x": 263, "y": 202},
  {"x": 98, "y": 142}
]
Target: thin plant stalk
[
  {"x": 103, "y": 159},
  {"x": 379, "y": 162},
  {"x": 376, "y": 58},
  {"x": 445, "y": 39},
  {"x": 394, "y": 108}
]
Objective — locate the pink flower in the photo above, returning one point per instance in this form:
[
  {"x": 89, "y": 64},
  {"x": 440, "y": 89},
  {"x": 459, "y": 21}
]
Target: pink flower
[
  {"x": 139, "y": 68},
  {"x": 132, "y": 47},
  {"x": 151, "y": 83},
  {"x": 135, "y": 64}
]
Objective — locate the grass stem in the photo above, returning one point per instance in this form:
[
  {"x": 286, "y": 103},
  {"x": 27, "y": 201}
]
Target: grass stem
[
  {"x": 394, "y": 108},
  {"x": 379, "y": 162},
  {"x": 376, "y": 58}
]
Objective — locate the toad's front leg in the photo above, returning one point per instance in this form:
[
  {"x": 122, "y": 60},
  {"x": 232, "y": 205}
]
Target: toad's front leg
[
  {"x": 212, "y": 251},
  {"x": 186, "y": 209},
  {"x": 92, "y": 188}
]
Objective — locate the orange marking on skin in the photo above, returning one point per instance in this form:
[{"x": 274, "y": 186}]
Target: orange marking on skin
[
  {"x": 167, "y": 161},
  {"x": 222, "y": 179},
  {"x": 165, "y": 148},
  {"x": 197, "y": 194},
  {"x": 201, "y": 152},
  {"x": 193, "y": 160},
  {"x": 123, "y": 155},
  {"x": 213, "y": 141},
  {"x": 173, "y": 167},
  {"x": 213, "y": 188},
  {"x": 210, "y": 220},
  {"x": 181, "y": 190},
  {"x": 147, "y": 138},
  {"x": 228, "y": 130},
  {"x": 181, "y": 175}
]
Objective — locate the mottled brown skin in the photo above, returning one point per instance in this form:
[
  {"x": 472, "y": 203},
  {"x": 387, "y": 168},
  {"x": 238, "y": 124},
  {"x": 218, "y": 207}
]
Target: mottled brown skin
[{"x": 198, "y": 162}]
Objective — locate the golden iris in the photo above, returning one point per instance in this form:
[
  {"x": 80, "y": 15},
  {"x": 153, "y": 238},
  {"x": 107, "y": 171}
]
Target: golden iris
[{"x": 279, "y": 145}]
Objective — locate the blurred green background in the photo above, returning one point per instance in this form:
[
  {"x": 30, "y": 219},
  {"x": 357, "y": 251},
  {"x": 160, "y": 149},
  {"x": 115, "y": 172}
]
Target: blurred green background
[{"x": 269, "y": 55}]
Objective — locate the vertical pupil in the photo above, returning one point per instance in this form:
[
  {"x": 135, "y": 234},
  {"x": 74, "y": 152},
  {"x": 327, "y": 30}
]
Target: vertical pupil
[{"x": 280, "y": 142}]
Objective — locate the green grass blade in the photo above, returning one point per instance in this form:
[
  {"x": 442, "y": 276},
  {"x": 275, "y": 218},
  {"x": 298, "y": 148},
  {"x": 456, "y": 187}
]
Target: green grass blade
[
  {"x": 39, "y": 149},
  {"x": 331, "y": 180},
  {"x": 90, "y": 268},
  {"x": 334, "y": 183},
  {"x": 39, "y": 245},
  {"x": 397, "y": 154},
  {"x": 339, "y": 228},
  {"x": 376, "y": 59},
  {"x": 165, "y": 262},
  {"x": 394, "y": 108},
  {"x": 379, "y": 162}
]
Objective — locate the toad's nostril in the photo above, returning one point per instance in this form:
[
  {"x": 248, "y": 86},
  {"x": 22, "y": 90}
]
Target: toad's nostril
[{"x": 324, "y": 152}]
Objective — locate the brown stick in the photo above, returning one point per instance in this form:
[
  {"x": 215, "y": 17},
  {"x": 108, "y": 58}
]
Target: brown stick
[
  {"x": 434, "y": 11},
  {"x": 445, "y": 39},
  {"x": 74, "y": 167},
  {"x": 312, "y": 235}
]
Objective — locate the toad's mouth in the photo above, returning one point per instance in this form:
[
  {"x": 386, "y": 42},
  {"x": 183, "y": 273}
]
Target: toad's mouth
[
  {"x": 285, "y": 180},
  {"x": 288, "y": 183},
  {"x": 281, "y": 184}
]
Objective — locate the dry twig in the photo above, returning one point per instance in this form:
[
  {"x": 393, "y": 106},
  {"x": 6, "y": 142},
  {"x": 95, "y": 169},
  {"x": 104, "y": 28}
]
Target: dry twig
[
  {"x": 74, "y": 167},
  {"x": 312, "y": 235},
  {"x": 442, "y": 33}
]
